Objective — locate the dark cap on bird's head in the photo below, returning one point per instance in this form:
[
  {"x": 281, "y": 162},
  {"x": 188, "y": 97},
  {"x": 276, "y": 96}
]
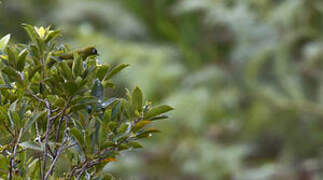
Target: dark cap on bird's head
[{"x": 94, "y": 51}]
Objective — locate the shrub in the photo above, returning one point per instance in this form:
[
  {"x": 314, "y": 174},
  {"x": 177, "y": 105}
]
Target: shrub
[{"x": 56, "y": 121}]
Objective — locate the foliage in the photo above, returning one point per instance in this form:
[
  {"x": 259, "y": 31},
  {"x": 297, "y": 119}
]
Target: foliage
[
  {"x": 56, "y": 120},
  {"x": 245, "y": 78}
]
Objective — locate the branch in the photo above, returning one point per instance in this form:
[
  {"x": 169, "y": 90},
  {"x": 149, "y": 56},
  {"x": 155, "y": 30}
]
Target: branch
[
  {"x": 12, "y": 160},
  {"x": 59, "y": 152},
  {"x": 69, "y": 146},
  {"x": 36, "y": 97},
  {"x": 48, "y": 129},
  {"x": 60, "y": 124},
  {"x": 56, "y": 116},
  {"x": 61, "y": 120},
  {"x": 63, "y": 147},
  {"x": 82, "y": 171}
]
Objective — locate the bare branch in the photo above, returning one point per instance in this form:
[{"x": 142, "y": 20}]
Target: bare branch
[
  {"x": 82, "y": 171},
  {"x": 48, "y": 130},
  {"x": 13, "y": 158},
  {"x": 59, "y": 152}
]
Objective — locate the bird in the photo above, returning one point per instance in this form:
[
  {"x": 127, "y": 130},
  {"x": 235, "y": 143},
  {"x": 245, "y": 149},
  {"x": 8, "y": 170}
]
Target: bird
[{"x": 84, "y": 53}]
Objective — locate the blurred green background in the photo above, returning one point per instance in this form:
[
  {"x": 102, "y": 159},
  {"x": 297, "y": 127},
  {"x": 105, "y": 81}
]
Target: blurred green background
[{"x": 244, "y": 76}]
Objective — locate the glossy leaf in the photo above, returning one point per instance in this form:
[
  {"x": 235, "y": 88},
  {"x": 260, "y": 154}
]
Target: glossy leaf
[
  {"x": 115, "y": 70},
  {"x": 97, "y": 89},
  {"x": 77, "y": 67},
  {"x": 33, "y": 119},
  {"x": 4, "y": 41},
  {"x": 155, "y": 111},
  {"x": 22, "y": 60},
  {"x": 30, "y": 145},
  {"x": 140, "y": 125},
  {"x": 137, "y": 99}
]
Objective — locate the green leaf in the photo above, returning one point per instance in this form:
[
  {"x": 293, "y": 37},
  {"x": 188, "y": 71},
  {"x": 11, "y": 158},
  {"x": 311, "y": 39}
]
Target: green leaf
[
  {"x": 14, "y": 119},
  {"x": 4, "y": 41},
  {"x": 122, "y": 128},
  {"x": 115, "y": 111},
  {"x": 59, "y": 102},
  {"x": 77, "y": 67},
  {"x": 32, "y": 71},
  {"x": 107, "y": 144},
  {"x": 70, "y": 87},
  {"x": 157, "y": 111},
  {"x": 31, "y": 32},
  {"x": 11, "y": 57},
  {"x": 82, "y": 105},
  {"x": 77, "y": 136},
  {"x": 35, "y": 54},
  {"x": 126, "y": 107},
  {"x": 108, "y": 102},
  {"x": 115, "y": 70},
  {"x": 158, "y": 118},
  {"x": 13, "y": 74},
  {"x": 83, "y": 100},
  {"x": 30, "y": 145},
  {"x": 22, "y": 60},
  {"x": 135, "y": 145},
  {"x": 102, "y": 135},
  {"x": 122, "y": 147},
  {"x": 66, "y": 70},
  {"x": 34, "y": 168},
  {"x": 107, "y": 115},
  {"x": 97, "y": 89},
  {"x": 137, "y": 99},
  {"x": 102, "y": 71},
  {"x": 140, "y": 125},
  {"x": 22, "y": 110},
  {"x": 108, "y": 84},
  {"x": 33, "y": 119},
  {"x": 147, "y": 133},
  {"x": 52, "y": 35},
  {"x": 34, "y": 36},
  {"x": 112, "y": 125}
]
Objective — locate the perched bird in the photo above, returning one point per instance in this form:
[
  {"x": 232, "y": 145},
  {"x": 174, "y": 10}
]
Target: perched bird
[{"x": 84, "y": 53}]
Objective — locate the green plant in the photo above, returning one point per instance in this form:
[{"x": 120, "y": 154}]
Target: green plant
[{"x": 56, "y": 121}]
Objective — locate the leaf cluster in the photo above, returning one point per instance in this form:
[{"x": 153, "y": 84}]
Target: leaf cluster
[{"x": 56, "y": 120}]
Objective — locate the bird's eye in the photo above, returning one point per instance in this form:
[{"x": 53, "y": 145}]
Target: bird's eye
[{"x": 94, "y": 51}]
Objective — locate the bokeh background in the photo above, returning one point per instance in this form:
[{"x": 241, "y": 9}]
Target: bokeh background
[{"x": 244, "y": 76}]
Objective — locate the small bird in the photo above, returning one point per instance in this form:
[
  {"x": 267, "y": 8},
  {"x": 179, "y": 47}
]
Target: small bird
[{"x": 84, "y": 53}]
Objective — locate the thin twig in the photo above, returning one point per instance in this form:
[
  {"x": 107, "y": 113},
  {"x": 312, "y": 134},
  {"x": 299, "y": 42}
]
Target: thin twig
[
  {"x": 36, "y": 97},
  {"x": 48, "y": 129},
  {"x": 86, "y": 165},
  {"x": 69, "y": 146},
  {"x": 59, "y": 126},
  {"x": 59, "y": 151},
  {"x": 61, "y": 121},
  {"x": 63, "y": 147},
  {"x": 69, "y": 177},
  {"x": 82, "y": 171},
  {"x": 56, "y": 116},
  {"x": 12, "y": 160}
]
